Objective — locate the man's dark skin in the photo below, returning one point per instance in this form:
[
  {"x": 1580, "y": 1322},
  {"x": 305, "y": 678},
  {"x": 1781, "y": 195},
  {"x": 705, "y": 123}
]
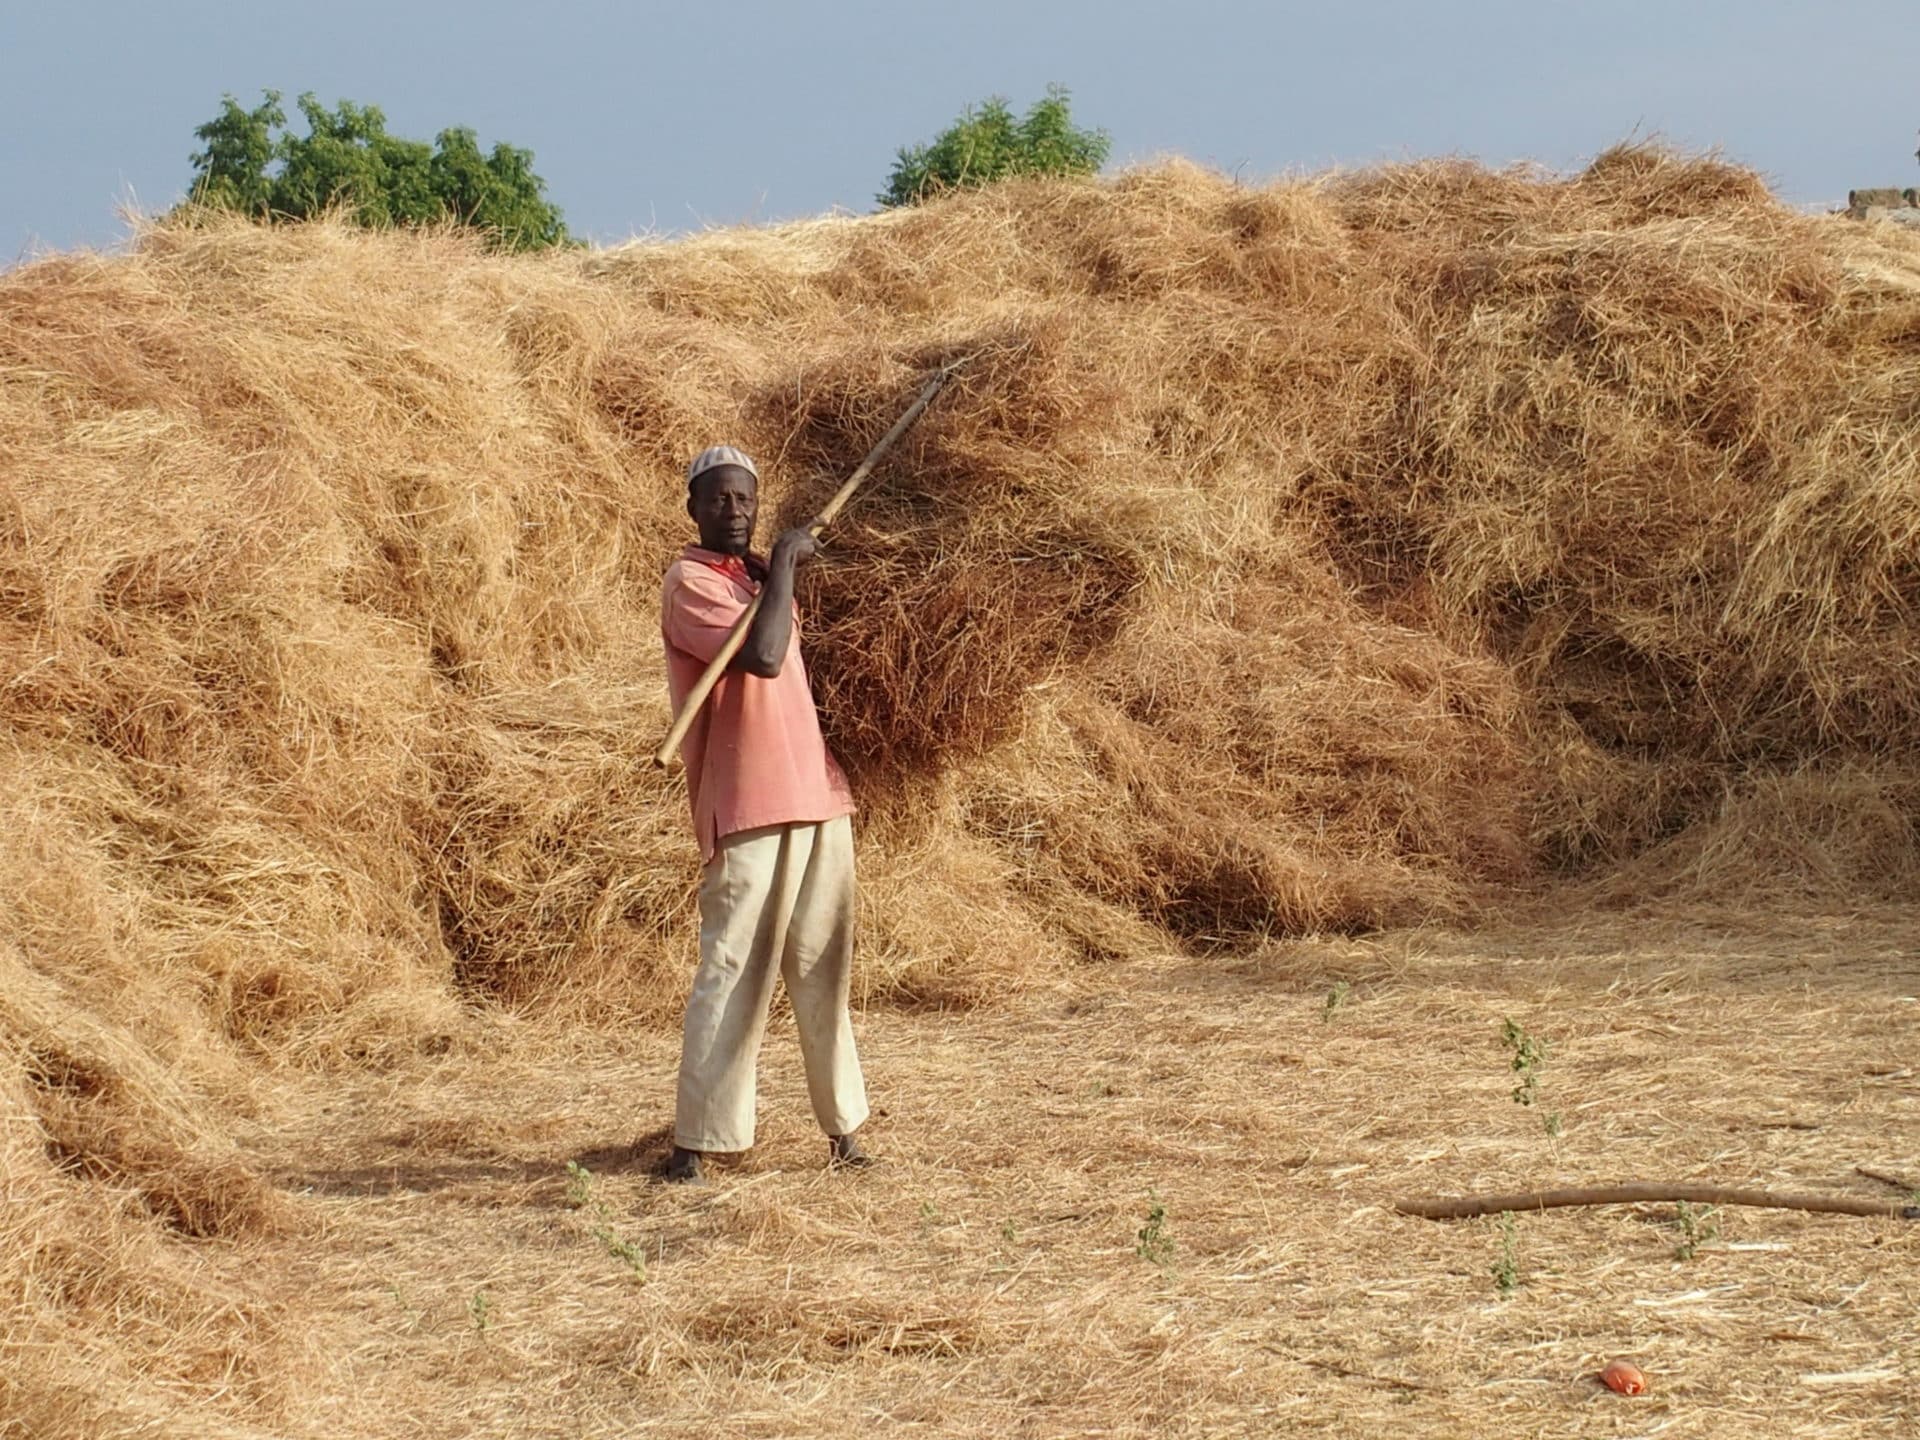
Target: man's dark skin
[{"x": 725, "y": 505}]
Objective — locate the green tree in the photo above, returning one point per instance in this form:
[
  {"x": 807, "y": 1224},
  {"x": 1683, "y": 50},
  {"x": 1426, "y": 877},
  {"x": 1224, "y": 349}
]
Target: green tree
[
  {"x": 231, "y": 173},
  {"x": 253, "y": 164},
  {"x": 497, "y": 192},
  {"x": 988, "y": 144}
]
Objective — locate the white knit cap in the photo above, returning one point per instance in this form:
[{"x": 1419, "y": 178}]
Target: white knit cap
[{"x": 715, "y": 456}]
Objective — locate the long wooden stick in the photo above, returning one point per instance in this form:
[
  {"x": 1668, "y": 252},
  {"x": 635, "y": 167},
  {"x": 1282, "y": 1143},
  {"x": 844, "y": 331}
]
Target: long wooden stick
[
  {"x": 737, "y": 637},
  {"x": 1465, "y": 1206}
]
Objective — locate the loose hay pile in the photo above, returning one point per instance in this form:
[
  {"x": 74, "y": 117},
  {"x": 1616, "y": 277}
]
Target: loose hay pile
[{"x": 1322, "y": 556}]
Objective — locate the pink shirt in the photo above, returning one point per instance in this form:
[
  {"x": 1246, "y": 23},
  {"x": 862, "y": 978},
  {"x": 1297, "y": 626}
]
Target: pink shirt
[{"x": 754, "y": 755}]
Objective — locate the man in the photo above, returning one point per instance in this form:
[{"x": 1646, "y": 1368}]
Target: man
[{"x": 770, "y": 811}]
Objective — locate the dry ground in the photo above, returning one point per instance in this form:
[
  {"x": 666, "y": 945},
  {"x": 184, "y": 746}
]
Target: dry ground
[{"x": 989, "y": 1280}]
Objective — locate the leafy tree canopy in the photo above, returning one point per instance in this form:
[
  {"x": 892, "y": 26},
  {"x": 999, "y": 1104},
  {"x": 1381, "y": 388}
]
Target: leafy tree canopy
[
  {"x": 989, "y": 144},
  {"x": 254, "y": 164}
]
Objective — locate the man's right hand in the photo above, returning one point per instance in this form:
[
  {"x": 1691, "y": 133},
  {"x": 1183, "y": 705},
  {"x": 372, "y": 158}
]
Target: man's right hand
[{"x": 793, "y": 546}]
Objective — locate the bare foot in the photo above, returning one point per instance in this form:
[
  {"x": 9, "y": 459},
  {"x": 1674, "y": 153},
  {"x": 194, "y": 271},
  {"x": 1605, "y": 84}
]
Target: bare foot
[{"x": 683, "y": 1168}]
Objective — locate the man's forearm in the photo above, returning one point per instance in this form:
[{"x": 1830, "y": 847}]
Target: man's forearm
[{"x": 765, "y": 650}]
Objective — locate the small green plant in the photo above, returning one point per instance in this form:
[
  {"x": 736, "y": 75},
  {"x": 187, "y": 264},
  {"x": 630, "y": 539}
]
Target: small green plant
[
  {"x": 580, "y": 1197},
  {"x": 1154, "y": 1245},
  {"x": 579, "y": 1185},
  {"x": 929, "y": 1217},
  {"x": 1009, "y": 1234},
  {"x": 1551, "y": 1123},
  {"x": 1336, "y": 997},
  {"x": 1698, "y": 1225},
  {"x": 1506, "y": 1269},
  {"x": 1529, "y": 1057},
  {"x": 622, "y": 1249},
  {"x": 480, "y": 1309}
]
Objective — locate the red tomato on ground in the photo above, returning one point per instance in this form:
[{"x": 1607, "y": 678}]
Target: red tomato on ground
[{"x": 1625, "y": 1378}]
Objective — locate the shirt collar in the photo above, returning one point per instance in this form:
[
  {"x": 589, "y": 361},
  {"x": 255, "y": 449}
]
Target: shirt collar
[{"x": 734, "y": 567}]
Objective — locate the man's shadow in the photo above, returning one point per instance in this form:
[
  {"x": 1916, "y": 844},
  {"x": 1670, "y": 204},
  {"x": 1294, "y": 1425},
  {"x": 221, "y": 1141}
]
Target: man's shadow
[{"x": 646, "y": 1155}]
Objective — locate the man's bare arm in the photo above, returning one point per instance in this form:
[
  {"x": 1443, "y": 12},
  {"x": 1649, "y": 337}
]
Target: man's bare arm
[{"x": 765, "y": 650}]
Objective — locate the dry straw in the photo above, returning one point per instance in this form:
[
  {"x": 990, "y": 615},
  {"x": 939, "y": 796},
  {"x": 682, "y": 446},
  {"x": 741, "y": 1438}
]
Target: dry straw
[{"x": 1305, "y": 558}]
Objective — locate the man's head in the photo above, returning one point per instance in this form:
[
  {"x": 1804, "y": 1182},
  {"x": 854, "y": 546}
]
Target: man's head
[{"x": 723, "y": 497}]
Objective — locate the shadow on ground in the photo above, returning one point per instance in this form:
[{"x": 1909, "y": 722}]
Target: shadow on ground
[{"x": 646, "y": 1155}]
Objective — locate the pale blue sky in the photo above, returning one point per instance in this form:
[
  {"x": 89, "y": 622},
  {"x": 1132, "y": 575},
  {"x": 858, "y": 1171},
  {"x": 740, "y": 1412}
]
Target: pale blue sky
[{"x": 652, "y": 116}]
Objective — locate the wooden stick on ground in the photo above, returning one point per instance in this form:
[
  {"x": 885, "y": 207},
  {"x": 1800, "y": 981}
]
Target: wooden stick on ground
[
  {"x": 737, "y": 637},
  {"x": 1640, "y": 1192}
]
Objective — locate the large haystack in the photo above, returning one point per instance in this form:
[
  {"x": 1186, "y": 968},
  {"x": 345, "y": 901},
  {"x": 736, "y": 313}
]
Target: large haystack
[{"x": 1328, "y": 555}]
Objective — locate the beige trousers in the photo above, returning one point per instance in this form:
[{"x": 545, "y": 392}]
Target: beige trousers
[{"x": 779, "y": 897}]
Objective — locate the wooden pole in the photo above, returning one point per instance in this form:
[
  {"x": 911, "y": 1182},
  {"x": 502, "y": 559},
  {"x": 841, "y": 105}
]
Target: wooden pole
[
  {"x": 1642, "y": 1192},
  {"x": 737, "y": 637}
]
